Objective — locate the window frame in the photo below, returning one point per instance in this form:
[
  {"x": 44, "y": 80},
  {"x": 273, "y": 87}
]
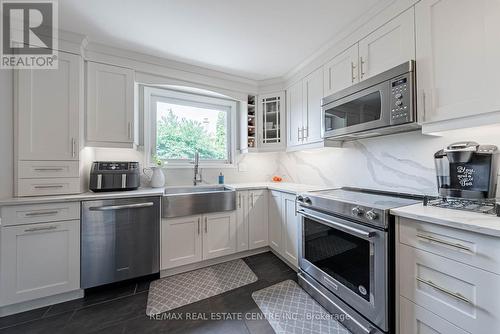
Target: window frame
[{"x": 154, "y": 94}]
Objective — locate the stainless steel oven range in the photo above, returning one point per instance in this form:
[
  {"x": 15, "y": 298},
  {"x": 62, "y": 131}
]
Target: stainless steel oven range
[{"x": 346, "y": 254}]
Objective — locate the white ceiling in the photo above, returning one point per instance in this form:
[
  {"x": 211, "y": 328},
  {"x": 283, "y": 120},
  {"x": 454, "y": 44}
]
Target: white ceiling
[{"x": 256, "y": 39}]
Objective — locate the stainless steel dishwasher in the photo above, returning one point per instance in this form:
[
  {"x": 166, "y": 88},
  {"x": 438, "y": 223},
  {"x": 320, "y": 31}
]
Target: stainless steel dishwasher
[{"x": 120, "y": 240}]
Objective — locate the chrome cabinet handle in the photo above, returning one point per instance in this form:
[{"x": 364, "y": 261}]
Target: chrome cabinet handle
[
  {"x": 348, "y": 229},
  {"x": 41, "y": 213},
  {"x": 49, "y": 169},
  {"x": 49, "y": 186},
  {"x": 121, "y": 207},
  {"x": 252, "y": 200},
  {"x": 425, "y": 108},
  {"x": 206, "y": 225},
  {"x": 444, "y": 242},
  {"x": 361, "y": 63},
  {"x": 298, "y": 134},
  {"x": 450, "y": 293},
  {"x": 239, "y": 200},
  {"x": 129, "y": 130},
  {"x": 199, "y": 229},
  {"x": 307, "y": 132},
  {"x": 353, "y": 77},
  {"x": 36, "y": 229},
  {"x": 73, "y": 149}
]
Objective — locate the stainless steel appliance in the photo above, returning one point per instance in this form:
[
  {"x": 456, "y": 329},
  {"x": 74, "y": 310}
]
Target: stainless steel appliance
[
  {"x": 382, "y": 104},
  {"x": 346, "y": 254},
  {"x": 119, "y": 239},
  {"x": 467, "y": 170},
  {"x": 114, "y": 175}
]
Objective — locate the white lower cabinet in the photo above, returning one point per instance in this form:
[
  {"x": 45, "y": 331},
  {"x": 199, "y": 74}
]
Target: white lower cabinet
[
  {"x": 242, "y": 221},
  {"x": 39, "y": 260},
  {"x": 181, "y": 241},
  {"x": 417, "y": 320},
  {"x": 258, "y": 233},
  {"x": 219, "y": 236},
  {"x": 191, "y": 239},
  {"x": 283, "y": 226}
]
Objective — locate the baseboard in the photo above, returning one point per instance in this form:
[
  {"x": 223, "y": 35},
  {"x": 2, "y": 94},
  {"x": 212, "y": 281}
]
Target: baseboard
[
  {"x": 285, "y": 260},
  {"x": 211, "y": 262},
  {"x": 41, "y": 302}
]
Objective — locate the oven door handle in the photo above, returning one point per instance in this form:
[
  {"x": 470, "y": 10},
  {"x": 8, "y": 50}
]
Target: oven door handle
[{"x": 340, "y": 226}]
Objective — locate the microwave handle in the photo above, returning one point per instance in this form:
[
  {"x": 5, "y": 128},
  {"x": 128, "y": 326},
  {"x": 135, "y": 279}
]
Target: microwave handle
[{"x": 340, "y": 226}]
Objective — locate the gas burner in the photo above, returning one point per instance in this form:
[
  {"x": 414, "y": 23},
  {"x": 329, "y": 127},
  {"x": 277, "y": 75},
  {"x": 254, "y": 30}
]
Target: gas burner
[{"x": 486, "y": 206}]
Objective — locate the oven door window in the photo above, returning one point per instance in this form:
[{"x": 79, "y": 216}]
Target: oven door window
[
  {"x": 344, "y": 257},
  {"x": 361, "y": 110}
]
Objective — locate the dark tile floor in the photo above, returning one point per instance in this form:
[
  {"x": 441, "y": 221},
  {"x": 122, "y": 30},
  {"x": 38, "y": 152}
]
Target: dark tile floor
[{"x": 121, "y": 308}]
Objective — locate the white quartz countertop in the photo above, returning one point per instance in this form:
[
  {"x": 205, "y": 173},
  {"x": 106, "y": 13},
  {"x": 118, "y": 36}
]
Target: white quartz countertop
[
  {"x": 470, "y": 221},
  {"x": 141, "y": 192},
  {"x": 292, "y": 188}
]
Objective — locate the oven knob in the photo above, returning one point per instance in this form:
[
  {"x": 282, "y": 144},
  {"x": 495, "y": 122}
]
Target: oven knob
[
  {"x": 357, "y": 211},
  {"x": 371, "y": 215},
  {"x": 307, "y": 200},
  {"x": 300, "y": 198}
]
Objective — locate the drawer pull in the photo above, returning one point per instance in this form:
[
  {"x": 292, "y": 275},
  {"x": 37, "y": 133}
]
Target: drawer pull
[
  {"x": 49, "y": 187},
  {"x": 49, "y": 169},
  {"x": 444, "y": 242},
  {"x": 41, "y": 213},
  {"x": 37, "y": 229},
  {"x": 455, "y": 295}
]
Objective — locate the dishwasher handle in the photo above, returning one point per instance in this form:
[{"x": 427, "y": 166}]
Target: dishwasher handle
[{"x": 122, "y": 207}]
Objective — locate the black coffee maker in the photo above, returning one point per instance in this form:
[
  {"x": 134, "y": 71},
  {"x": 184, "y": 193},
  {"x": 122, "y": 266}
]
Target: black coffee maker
[{"x": 467, "y": 170}]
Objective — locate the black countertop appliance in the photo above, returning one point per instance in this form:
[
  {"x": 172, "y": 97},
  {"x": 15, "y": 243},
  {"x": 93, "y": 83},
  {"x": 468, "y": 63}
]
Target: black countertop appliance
[{"x": 114, "y": 176}]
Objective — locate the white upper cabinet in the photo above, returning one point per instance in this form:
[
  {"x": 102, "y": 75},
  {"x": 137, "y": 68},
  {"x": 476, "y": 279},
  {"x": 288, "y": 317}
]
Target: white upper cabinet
[
  {"x": 342, "y": 71},
  {"x": 389, "y": 46},
  {"x": 49, "y": 105},
  {"x": 294, "y": 114},
  {"x": 110, "y": 106},
  {"x": 457, "y": 53},
  {"x": 271, "y": 123},
  {"x": 313, "y": 93}
]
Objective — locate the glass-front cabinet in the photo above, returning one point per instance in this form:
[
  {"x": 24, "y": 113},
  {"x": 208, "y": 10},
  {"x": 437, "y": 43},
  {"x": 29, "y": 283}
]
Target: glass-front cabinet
[{"x": 271, "y": 112}]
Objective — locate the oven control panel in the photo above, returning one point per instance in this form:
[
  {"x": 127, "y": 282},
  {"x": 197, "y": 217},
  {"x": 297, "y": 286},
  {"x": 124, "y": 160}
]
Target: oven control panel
[{"x": 401, "y": 107}]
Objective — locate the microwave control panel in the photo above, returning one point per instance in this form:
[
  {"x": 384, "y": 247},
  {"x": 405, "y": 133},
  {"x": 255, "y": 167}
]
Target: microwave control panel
[{"x": 401, "y": 109}]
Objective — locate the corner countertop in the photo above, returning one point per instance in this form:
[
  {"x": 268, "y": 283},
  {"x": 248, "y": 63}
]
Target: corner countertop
[
  {"x": 287, "y": 187},
  {"x": 141, "y": 192},
  {"x": 470, "y": 221}
]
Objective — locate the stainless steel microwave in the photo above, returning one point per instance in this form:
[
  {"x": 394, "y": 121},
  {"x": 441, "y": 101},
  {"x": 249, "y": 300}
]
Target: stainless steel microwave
[{"x": 380, "y": 105}]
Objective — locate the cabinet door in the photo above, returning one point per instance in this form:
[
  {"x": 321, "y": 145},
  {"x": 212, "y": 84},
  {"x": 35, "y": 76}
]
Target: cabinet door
[
  {"x": 388, "y": 46},
  {"x": 110, "y": 105},
  {"x": 275, "y": 221},
  {"x": 341, "y": 71},
  {"x": 258, "y": 219},
  {"x": 290, "y": 228},
  {"x": 219, "y": 236},
  {"x": 39, "y": 260},
  {"x": 313, "y": 93},
  {"x": 295, "y": 108},
  {"x": 457, "y": 54},
  {"x": 271, "y": 123},
  {"x": 242, "y": 221},
  {"x": 181, "y": 240},
  {"x": 414, "y": 319},
  {"x": 48, "y": 110}
]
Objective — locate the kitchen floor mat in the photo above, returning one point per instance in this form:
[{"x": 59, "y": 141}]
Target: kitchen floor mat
[
  {"x": 289, "y": 309},
  {"x": 175, "y": 291}
]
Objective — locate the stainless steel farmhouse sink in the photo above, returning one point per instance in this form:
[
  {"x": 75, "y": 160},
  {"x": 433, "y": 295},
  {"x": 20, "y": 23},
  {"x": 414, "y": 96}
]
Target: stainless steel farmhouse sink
[{"x": 186, "y": 201}]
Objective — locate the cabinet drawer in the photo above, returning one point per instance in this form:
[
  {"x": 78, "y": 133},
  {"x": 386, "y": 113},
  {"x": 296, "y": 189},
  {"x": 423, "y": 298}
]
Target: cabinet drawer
[
  {"x": 41, "y": 187},
  {"x": 471, "y": 248},
  {"x": 39, "y": 213},
  {"x": 414, "y": 319},
  {"x": 463, "y": 295},
  {"x": 47, "y": 169}
]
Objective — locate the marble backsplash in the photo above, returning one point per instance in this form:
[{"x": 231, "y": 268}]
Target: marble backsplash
[{"x": 401, "y": 162}]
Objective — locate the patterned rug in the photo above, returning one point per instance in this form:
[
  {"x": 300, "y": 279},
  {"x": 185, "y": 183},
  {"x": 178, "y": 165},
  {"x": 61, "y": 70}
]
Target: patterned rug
[
  {"x": 175, "y": 291},
  {"x": 289, "y": 309}
]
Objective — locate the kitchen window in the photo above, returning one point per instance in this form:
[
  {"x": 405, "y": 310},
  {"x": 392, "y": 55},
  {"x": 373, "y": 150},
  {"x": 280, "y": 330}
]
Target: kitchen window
[{"x": 185, "y": 123}]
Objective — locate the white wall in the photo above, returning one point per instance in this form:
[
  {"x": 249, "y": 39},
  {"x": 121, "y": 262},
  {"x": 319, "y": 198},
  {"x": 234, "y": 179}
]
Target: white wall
[
  {"x": 402, "y": 162},
  {"x": 6, "y": 133}
]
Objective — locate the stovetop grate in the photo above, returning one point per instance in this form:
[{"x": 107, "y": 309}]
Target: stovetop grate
[{"x": 489, "y": 207}]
